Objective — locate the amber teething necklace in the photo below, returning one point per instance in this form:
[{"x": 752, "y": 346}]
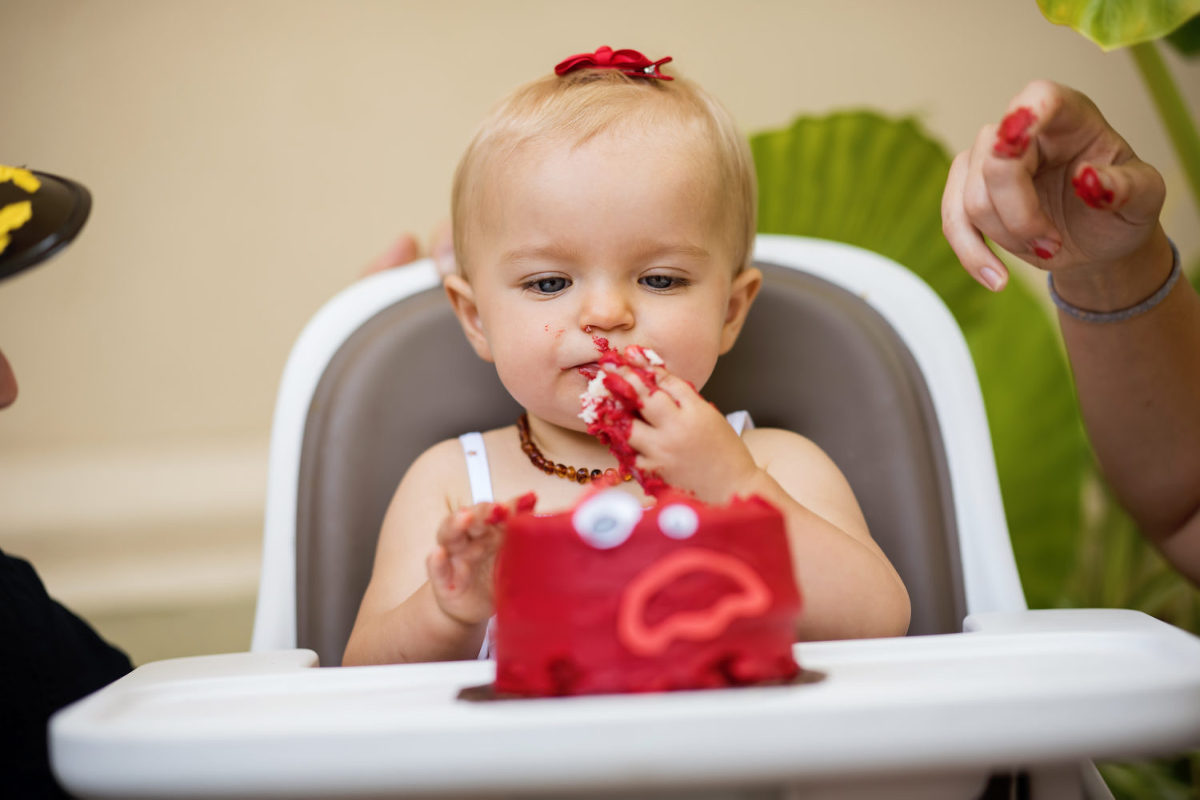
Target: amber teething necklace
[{"x": 581, "y": 475}]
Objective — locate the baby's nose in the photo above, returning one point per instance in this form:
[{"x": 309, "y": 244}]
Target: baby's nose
[{"x": 605, "y": 308}]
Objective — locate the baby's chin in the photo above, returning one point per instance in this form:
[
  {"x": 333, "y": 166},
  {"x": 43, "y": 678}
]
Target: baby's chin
[{"x": 562, "y": 419}]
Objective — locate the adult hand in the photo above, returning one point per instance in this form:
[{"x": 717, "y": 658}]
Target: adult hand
[
  {"x": 1055, "y": 185},
  {"x": 406, "y": 249}
]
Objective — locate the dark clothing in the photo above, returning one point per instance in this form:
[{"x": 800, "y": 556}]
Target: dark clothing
[{"x": 48, "y": 658}]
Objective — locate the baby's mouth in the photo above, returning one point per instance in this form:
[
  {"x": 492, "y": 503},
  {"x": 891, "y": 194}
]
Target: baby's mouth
[{"x": 589, "y": 370}]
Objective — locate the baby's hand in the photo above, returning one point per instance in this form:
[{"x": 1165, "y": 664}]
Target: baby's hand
[
  {"x": 460, "y": 566},
  {"x": 1054, "y": 184},
  {"x": 686, "y": 440}
]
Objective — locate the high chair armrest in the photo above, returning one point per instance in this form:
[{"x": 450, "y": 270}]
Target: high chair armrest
[
  {"x": 1072, "y": 620},
  {"x": 221, "y": 666}
]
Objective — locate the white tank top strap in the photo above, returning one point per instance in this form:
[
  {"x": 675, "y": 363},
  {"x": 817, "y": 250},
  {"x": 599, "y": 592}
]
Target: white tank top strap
[
  {"x": 480, "y": 478},
  {"x": 740, "y": 420},
  {"x": 477, "y": 467},
  {"x": 485, "y": 649}
]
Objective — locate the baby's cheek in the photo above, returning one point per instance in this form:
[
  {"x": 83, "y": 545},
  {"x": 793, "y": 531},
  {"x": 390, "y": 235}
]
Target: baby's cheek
[
  {"x": 694, "y": 360},
  {"x": 515, "y": 375}
]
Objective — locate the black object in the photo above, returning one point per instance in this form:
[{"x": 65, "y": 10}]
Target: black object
[
  {"x": 48, "y": 658},
  {"x": 60, "y": 208}
]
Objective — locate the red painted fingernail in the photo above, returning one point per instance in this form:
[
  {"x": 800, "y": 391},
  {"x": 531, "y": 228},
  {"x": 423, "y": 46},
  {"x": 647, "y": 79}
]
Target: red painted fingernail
[
  {"x": 1013, "y": 135},
  {"x": 1045, "y": 249},
  {"x": 1091, "y": 189}
]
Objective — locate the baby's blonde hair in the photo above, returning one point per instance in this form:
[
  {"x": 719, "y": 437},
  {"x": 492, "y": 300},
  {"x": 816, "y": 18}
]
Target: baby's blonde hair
[{"x": 585, "y": 103}]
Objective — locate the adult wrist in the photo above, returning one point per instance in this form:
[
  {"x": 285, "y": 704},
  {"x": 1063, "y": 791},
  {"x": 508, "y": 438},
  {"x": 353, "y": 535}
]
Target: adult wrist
[{"x": 1121, "y": 288}]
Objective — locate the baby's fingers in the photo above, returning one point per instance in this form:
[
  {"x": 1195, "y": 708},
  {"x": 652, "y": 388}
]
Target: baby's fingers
[
  {"x": 1133, "y": 190},
  {"x": 453, "y": 532},
  {"x": 439, "y": 569},
  {"x": 674, "y": 394}
]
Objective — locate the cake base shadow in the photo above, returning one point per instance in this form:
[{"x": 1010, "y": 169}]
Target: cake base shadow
[{"x": 486, "y": 693}]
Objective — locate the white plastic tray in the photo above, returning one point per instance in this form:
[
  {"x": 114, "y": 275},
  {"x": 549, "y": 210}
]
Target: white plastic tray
[{"x": 1020, "y": 689}]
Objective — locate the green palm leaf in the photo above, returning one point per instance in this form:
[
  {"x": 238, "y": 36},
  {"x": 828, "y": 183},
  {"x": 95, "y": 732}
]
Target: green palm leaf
[
  {"x": 1119, "y": 23},
  {"x": 876, "y": 182}
]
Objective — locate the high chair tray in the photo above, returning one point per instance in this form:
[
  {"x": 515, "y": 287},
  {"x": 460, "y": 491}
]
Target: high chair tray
[{"x": 1021, "y": 688}]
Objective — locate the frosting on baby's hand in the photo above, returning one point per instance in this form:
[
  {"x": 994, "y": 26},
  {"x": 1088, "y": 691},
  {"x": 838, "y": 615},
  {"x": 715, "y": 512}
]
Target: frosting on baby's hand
[{"x": 610, "y": 405}]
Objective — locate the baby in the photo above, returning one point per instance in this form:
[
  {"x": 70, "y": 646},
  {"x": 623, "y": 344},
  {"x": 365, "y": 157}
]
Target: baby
[{"x": 608, "y": 201}]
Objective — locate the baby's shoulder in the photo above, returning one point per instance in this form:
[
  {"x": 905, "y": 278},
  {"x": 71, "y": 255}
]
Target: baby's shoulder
[
  {"x": 442, "y": 468},
  {"x": 778, "y": 447},
  {"x": 781, "y": 440}
]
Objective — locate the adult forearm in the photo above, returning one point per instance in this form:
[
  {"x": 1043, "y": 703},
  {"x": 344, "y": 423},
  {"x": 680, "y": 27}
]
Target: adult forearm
[{"x": 1138, "y": 383}]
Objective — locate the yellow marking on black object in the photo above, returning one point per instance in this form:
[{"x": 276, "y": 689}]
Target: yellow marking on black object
[
  {"x": 21, "y": 177},
  {"x": 13, "y": 216}
]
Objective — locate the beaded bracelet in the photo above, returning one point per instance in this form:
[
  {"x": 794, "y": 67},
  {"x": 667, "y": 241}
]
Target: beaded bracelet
[{"x": 1123, "y": 313}]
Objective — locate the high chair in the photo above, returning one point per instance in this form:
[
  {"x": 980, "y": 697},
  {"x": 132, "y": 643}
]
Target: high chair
[
  {"x": 383, "y": 372},
  {"x": 982, "y": 699}
]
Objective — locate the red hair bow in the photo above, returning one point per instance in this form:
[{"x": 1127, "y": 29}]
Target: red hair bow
[{"x": 631, "y": 62}]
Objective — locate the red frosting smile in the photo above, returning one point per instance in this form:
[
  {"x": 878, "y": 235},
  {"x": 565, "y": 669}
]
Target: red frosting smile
[{"x": 753, "y": 599}]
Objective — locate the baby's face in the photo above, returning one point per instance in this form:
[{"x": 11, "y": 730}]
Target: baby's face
[{"x": 617, "y": 238}]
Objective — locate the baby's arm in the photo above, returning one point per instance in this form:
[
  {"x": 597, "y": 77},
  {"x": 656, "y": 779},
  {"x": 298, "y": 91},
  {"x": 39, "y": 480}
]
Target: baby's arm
[
  {"x": 850, "y": 588},
  {"x": 423, "y": 604},
  {"x": 1137, "y": 380}
]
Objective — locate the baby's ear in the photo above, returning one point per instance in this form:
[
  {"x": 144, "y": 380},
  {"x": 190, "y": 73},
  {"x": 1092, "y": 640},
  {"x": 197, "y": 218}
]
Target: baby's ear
[
  {"x": 741, "y": 295},
  {"x": 462, "y": 300}
]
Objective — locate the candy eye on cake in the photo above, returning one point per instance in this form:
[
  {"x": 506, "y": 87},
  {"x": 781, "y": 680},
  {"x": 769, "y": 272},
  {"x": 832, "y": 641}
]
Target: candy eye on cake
[
  {"x": 606, "y": 520},
  {"x": 678, "y": 521}
]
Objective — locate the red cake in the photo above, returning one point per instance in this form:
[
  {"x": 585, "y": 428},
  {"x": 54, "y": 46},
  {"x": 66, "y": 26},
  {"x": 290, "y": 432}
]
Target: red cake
[
  {"x": 614, "y": 597},
  {"x": 611, "y": 597}
]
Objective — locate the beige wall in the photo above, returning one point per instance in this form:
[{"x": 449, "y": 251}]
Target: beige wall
[{"x": 247, "y": 158}]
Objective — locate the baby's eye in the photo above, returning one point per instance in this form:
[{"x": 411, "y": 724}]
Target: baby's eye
[
  {"x": 662, "y": 282},
  {"x": 551, "y": 285}
]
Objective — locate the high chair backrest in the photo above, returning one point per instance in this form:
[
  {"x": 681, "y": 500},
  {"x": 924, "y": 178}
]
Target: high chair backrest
[{"x": 842, "y": 346}]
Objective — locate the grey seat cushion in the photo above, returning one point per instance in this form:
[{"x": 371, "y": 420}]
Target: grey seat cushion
[{"x": 812, "y": 358}]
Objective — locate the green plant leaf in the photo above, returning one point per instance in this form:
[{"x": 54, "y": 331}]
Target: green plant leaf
[
  {"x": 1119, "y": 23},
  {"x": 1161, "y": 779},
  {"x": 876, "y": 182},
  {"x": 1186, "y": 38}
]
